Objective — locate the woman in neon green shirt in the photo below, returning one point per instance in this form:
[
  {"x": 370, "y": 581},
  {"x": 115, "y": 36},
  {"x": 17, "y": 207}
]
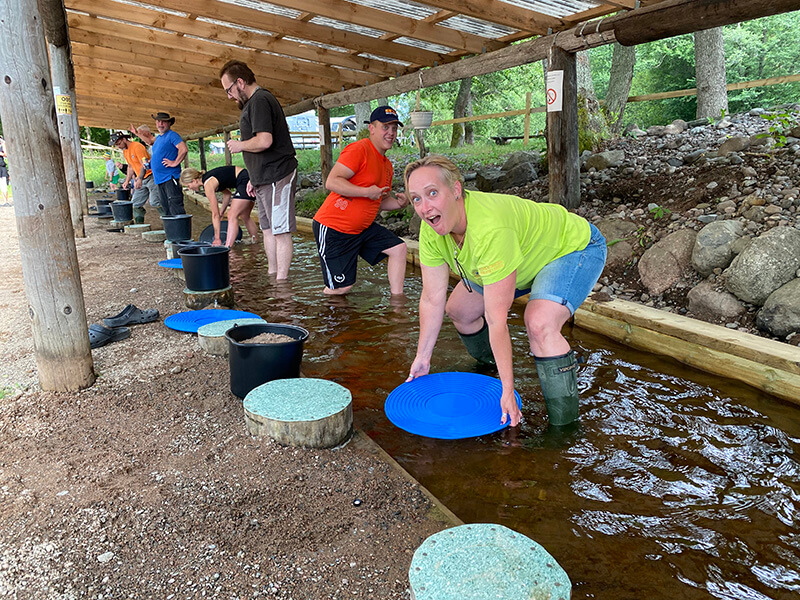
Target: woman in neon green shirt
[{"x": 503, "y": 247}]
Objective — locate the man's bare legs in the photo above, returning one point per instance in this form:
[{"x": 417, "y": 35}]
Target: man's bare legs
[{"x": 278, "y": 248}]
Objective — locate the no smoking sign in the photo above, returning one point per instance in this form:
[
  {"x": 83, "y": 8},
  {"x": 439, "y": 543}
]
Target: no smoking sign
[{"x": 555, "y": 85}]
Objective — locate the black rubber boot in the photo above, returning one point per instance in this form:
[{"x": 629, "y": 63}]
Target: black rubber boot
[
  {"x": 559, "y": 381},
  {"x": 478, "y": 345},
  {"x": 138, "y": 215}
]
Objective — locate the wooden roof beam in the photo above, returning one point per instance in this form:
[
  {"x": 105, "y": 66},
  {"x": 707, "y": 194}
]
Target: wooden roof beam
[
  {"x": 293, "y": 69},
  {"x": 246, "y": 39},
  {"x": 239, "y": 15}
]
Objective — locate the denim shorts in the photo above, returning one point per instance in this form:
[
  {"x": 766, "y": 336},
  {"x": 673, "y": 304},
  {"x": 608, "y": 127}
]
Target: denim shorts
[{"x": 568, "y": 280}]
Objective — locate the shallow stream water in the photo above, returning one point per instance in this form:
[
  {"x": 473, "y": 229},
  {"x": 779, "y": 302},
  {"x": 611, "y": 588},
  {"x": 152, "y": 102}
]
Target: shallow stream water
[{"x": 675, "y": 484}]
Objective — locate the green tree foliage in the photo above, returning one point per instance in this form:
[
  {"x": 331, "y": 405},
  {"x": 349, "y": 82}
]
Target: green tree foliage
[{"x": 754, "y": 50}]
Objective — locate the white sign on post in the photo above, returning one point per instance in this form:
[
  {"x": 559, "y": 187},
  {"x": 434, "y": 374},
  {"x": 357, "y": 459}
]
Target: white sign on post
[{"x": 555, "y": 87}]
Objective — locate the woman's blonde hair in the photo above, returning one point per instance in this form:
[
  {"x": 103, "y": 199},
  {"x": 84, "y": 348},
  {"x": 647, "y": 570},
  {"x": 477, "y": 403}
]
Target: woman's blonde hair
[
  {"x": 189, "y": 174},
  {"x": 450, "y": 172}
]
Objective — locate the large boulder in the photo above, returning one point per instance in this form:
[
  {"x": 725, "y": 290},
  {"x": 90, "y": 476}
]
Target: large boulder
[
  {"x": 520, "y": 174},
  {"x": 662, "y": 265},
  {"x": 709, "y": 304},
  {"x": 734, "y": 144},
  {"x": 616, "y": 231},
  {"x": 521, "y": 157},
  {"x": 604, "y": 160},
  {"x": 770, "y": 261},
  {"x": 713, "y": 248},
  {"x": 486, "y": 179},
  {"x": 780, "y": 314}
]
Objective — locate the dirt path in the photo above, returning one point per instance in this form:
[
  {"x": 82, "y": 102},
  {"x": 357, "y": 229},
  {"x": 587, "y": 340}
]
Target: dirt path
[{"x": 148, "y": 485}]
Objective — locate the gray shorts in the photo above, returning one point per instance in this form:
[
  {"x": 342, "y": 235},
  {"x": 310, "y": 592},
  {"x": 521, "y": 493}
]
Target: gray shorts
[
  {"x": 275, "y": 202},
  {"x": 149, "y": 190}
]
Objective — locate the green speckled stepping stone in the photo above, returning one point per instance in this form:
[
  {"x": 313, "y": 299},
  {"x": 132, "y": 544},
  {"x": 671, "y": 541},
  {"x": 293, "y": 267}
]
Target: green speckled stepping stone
[
  {"x": 482, "y": 561},
  {"x": 313, "y": 413},
  {"x": 137, "y": 228},
  {"x": 212, "y": 338},
  {"x": 156, "y": 235}
]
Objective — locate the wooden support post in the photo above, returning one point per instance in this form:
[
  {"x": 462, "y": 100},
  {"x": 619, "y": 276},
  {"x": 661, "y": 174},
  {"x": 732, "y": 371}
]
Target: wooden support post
[
  {"x": 186, "y": 161},
  {"x": 47, "y": 245},
  {"x": 325, "y": 142},
  {"x": 227, "y": 138},
  {"x": 527, "y": 137},
  {"x": 341, "y": 136},
  {"x": 202, "y": 143},
  {"x": 562, "y": 133},
  {"x": 63, "y": 77}
]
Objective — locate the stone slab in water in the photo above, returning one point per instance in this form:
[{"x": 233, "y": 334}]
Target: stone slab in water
[
  {"x": 195, "y": 300},
  {"x": 484, "y": 560},
  {"x": 137, "y": 229},
  {"x": 158, "y": 235},
  {"x": 212, "y": 338},
  {"x": 313, "y": 413}
]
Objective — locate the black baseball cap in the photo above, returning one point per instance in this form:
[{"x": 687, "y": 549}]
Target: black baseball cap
[{"x": 384, "y": 114}]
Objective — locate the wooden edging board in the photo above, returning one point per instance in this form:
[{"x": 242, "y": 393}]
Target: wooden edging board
[
  {"x": 771, "y": 366},
  {"x": 768, "y": 365}
]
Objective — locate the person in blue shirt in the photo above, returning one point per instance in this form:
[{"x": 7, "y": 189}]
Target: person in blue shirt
[{"x": 167, "y": 154}]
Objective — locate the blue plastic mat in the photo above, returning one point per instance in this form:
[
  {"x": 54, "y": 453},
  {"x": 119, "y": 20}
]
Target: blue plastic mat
[
  {"x": 192, "y": 320},
  {"x": 171, "y": 263},
  {"x": 448, "y": 406}
]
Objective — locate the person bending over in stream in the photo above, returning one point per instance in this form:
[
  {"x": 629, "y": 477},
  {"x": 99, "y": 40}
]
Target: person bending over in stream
[
  {"x": 224, "y": 179},
  {"x": 503, "y": 247},
  {"x": 360, "y": 185}
]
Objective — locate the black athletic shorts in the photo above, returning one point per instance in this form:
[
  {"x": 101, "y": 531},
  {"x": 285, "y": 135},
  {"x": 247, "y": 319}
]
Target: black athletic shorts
[
  {"x": 339, "y": 252},
  {"x": 242, "y": 179}
]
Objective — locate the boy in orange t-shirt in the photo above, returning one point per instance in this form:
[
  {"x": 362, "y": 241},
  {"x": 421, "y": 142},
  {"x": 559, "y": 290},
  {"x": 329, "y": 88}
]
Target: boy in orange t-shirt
[{"x": 360, "y": 185}]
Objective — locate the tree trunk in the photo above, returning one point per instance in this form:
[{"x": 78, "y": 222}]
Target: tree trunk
[
  {"x": 709, "y": 65},
  {"x": 225, "y": 140},
  {"x": 463, "y": 103},
  {"x": 362, "y": 110},
  {"x": 591, "y": 121},
  {"x": 47, "y": 245},
  {"x": 619, "y": 85}
]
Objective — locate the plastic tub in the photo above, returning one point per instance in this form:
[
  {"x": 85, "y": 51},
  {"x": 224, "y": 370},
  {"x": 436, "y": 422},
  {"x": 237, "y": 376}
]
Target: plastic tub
[
  {"x": 252, "y": 365},
  {"x": 205, "y": 267},
  {"x": 123, "y": 194},
  {"x": 123, "y": 211},
  {"x": 178, "y": 228}
]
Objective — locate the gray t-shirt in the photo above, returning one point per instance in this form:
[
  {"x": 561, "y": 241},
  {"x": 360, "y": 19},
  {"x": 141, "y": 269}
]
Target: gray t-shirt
[{"x": 264, "y": 113}]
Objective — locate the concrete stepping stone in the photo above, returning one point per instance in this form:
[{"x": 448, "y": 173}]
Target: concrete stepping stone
[
  {"x": 307, "y": 412},
  {"x": 137, "y": 228},
  {"x": 211, "y": 337},
  {"x": 157, "y": 235},
  {"x": 119, "y": 224},
  {"x": 484, "y": 560}
]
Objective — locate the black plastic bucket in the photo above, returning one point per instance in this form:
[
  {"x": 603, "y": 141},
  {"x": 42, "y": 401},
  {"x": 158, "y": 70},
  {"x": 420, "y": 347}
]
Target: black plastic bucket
[
  {"x": 89, "y": 185},
  {"x": 104, "y": 207},
  {"x": 178, "y": 228},
  {"x": 123, "y": 194},
  {"x": 123, "y": 211},
  {"x": 252, "y": 365},
  {"x": 178, "y": 246},
  {"x": 206, "y": 268}
]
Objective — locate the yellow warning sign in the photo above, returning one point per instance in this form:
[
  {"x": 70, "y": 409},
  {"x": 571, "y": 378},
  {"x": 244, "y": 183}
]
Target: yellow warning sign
[{"x": 63, "y": 105}]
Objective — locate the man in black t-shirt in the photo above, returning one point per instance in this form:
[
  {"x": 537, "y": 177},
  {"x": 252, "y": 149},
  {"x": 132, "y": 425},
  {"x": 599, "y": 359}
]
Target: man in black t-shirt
[{"x": 270, "y": 160}]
